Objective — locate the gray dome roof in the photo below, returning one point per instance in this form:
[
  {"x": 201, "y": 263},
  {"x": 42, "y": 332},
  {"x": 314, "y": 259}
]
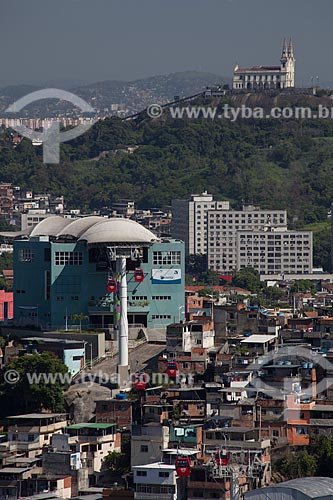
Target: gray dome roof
[
  {"x": 50, "y": 226},
  {"x": 118, "y": 231},
  {"x": 95, "y": 230},
  {"x": 78, "y": 226}
]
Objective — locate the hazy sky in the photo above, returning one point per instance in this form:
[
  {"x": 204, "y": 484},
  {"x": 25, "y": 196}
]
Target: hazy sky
[{"x": 93, "y": 40}]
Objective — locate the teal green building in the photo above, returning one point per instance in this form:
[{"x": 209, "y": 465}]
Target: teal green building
[{"x": 62, "y": 268}]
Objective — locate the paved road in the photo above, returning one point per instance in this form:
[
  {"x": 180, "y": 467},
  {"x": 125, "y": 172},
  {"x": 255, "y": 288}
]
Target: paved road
[
  {"x": 144, "y": 356},
  {"x": 95, "y": 384}
]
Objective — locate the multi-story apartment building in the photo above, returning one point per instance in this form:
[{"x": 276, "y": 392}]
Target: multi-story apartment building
[
  {"x": 275, "y": 251},
  {"x": 223, "y": 227},
  {"x": 96, "y": 440},
  {"x": 6, "y": 198},
  {"x": 155, "y": 481},
  {"x": 147, "y": 442},
  {"x": 189, "y": 220},
  {"x": 182, "y": 337},
  {"x": 233, "y": 239},
  {"x": 30, "y": 432}
]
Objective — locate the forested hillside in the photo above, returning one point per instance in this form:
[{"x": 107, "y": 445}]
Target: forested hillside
[{"x": 276, "y": 163}]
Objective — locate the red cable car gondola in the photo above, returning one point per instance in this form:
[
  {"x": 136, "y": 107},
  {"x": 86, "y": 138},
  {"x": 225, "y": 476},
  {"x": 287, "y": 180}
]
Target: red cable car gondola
[
  {"x": 139, "y": 275},
  {"x": 111, "y": 285},
  {"x": 221, "y": 457},
  {"x": 140, "y": 381},
  {"x": 183, "y": 466},
  {"x": 172, "y": 369}
]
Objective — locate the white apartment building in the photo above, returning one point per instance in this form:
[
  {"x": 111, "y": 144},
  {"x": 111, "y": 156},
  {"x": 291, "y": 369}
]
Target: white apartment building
[
  {"x": 275, "y": 251},
  {"x": 189, "y": 220},
  {"x": 183, "y": 337},
  {"x": 95, "y": 441},
  {"x": 28, "y": 433},
  {"x": 223, "y": 227},
  {"x": 234, "y": 239},
  {"x": 32, "y": 217},
  {"x": 155, "y": 481}
]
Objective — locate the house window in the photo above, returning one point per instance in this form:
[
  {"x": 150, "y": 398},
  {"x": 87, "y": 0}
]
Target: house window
[
  {"x": 164, "y": 474},
  {"x": 166, "y": 258},
  {"x": 141, "y": 473},
  {"x": 26, "y": 255},
  {"x": 144, "y": 448},
  {"x": 301, "y": 431},
  {"x": 275, "y": 433},
  {"x": 68, "y": 258}
]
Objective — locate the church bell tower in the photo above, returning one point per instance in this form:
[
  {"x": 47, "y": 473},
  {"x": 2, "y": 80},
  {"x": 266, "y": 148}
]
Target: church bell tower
[{"x": 288, "y": 64}]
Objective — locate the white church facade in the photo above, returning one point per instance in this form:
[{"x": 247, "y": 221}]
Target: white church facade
[{"x": 268, "y": 77}]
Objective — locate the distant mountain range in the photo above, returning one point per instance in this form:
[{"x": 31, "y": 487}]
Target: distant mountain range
[{"x": 117, "y": 96}]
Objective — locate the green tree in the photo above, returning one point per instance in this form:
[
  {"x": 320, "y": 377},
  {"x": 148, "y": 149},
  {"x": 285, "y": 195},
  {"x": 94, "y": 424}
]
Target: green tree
[
  {"x": 6, "y": 261},
  {"x": 117, "y": 463},
  {"x": 196, "y": 264},
  {"x": 34, "y": 395},
  {"x": 247, "y": 278},
  {"x": 324, "y": 451},
  {"x": 300, "y": 464},
  {"x": 78, "y": 318},
  {"x": 303, "y": 286},
  {"x": 270, "y": 296},
  {"x": 5, "y": 226}
]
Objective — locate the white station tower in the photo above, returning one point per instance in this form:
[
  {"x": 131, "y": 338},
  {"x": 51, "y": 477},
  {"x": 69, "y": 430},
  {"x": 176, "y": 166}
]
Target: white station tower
[{"x": 123, "y": 240}]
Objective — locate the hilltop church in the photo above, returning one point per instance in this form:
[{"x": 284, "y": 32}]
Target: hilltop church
[{"x": 268, "y": 77}]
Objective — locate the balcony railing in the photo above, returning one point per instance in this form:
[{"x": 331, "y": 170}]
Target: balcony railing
[
  {"x": 93, "y": 439},
  {"x": 209, "y": 444}
]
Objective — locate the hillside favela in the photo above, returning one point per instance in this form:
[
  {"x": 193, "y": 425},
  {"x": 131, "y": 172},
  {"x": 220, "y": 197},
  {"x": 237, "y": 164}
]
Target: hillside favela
[{"x": 166, "y": 250}]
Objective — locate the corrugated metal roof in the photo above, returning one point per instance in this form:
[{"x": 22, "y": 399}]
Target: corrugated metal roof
[{"x": 313, "y": 487}]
